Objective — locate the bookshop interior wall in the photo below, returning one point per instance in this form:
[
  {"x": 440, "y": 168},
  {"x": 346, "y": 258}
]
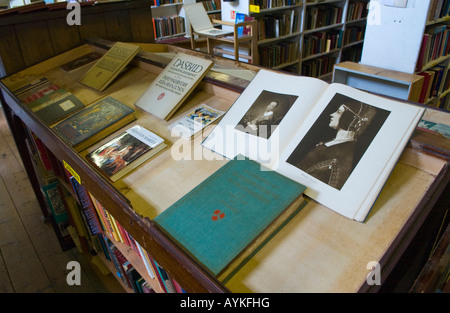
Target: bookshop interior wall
[{"x": 146, "y": 153}]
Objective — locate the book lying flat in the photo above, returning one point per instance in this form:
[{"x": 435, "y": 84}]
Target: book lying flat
[
  {"x": 228, "y": 217},
  {"x": 48, "y": 101},
  {"x": 110, "y": 65},
  {"x": 173, "y": 85},
  {"x": 200, "y": 21},
  {"x": 94, "y": 122},
  {"x": 125, "y": 152},
  {"x": 340, "y": 142},
  {"x": 196, "y": 120}
]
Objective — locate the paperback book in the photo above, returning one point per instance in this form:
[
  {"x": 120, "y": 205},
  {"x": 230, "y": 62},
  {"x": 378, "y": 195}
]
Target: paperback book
[
  {"x": 110, "y": 65},
  {"x": 125, "y": 152},
  {"x": 173, "y": 85},
  {"x": 94, "y": 122},
  {"x": 340, "y": 142},
  {"x": 196, "y": 120}
]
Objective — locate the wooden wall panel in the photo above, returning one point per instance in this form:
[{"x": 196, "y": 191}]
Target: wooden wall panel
[
  {"x": 34, "y": 41},
  {"x": 11, "y": 55},
  {"x": 29, "y": 38},
  {"x": 118, "y": 25},
  {"x": 63, "y": 36}
]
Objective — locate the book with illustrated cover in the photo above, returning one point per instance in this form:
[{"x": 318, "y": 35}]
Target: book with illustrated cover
[
  {"x": 228, "y": 217},
  {"x": 94, "y": 122},
  {"x": 173, "y": 85},
  {"x": 340, "y": 142},
  {"x": 190, "y": 124},
  {"x": 125, "y": 152},
  {"x": 110, "y": 65},
  {"x": 48, "y": 101}
]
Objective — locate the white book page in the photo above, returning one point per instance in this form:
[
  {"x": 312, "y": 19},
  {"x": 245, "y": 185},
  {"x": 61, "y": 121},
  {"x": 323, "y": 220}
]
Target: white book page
[
  {"x": 381, "y": 139},
  {"x": 295, "y": 96}
]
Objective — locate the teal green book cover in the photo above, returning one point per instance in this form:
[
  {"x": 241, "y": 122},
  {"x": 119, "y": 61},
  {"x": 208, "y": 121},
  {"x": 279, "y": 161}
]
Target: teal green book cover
[{"x": 228, "y": 211}]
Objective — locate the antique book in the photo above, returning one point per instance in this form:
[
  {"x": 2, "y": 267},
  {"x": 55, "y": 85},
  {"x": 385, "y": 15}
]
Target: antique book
[
  {"x": 228, "y": 217},
  {"x": 200, "y": 21},
  {"x": 340, "y": 142},
  {"x": 109, "y": 66},
  {"x": 48, "y": 101},
  {"x": 125, "y": 152},
  {"x": 193, "y": 122},
  {"x": 94, "y": 122},
  {"x": 173, "y": 85}
]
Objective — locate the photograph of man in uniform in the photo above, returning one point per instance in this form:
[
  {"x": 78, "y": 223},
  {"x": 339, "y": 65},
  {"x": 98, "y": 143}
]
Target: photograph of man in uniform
[{"x": 338, "y": 139}]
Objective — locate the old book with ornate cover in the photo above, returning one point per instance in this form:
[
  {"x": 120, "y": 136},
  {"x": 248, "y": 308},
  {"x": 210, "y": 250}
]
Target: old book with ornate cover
[
  {"x": 94, "y": 122},
  {"x": 109, "y": 66}
]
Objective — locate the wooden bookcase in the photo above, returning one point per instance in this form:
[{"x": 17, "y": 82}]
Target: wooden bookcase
[
  {"x": 313, "y": 23},
  {"x": 317, "y": 251}
]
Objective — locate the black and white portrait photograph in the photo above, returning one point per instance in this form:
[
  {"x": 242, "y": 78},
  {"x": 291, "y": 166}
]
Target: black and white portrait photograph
[
  {"x": 266, "y": 113},
  {"x": 338, "y": 139}
]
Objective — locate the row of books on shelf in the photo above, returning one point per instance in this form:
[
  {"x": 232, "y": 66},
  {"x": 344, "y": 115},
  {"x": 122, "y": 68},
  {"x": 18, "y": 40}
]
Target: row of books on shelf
[
  {"x": 163, "y": 2},
  {"x": 436, "y": 80},
  {"x": 434, "y": 45},
  {"x": 438, "y": 9},
  {"x": 353, "y": 34},
  {"x": 357, "y": 10},
  {"x": 81, "y": 221},
  {"x": 320, "y": 16},
  {"x": 282, "y": 52},
  {"x": 270, "y": 4},
  {"x": 321, "y": 42},
  {"x": 319, "y": 66},
  {"x": 168, "y": 26},
  {"x": 276, "y": 25}
]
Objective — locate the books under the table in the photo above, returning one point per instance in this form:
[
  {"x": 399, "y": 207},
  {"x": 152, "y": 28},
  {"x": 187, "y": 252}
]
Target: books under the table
[
  {"x": 125, "y": 152},
  {"x": 94, "y": 123},
  {"x": 340, "y": 142}
]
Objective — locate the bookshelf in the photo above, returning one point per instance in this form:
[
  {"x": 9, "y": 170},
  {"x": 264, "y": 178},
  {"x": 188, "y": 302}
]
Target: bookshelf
[
  {"x": 305, "y": 37},
  {"x": 317, "y": 246},
  {"x": 169, "y": 21}
]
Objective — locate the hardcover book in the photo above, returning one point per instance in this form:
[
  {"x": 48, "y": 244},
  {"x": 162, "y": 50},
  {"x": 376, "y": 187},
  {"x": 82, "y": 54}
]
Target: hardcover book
[
  {"x": 173, "y": 85},
  {"x": 228, "y": 217},
  {"x": 340, "y": 142},
  {"x": 48, "y": 101},
  {"x": 125, "y": 152},
  {"x": 109, "y": 66},
  {"x": 94, "y": 122},
  {"x": 80, "y": 62}
]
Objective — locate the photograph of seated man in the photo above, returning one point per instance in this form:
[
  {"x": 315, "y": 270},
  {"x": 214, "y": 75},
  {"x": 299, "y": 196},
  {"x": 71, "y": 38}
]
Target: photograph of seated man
[{"x": 266, "y": 113}]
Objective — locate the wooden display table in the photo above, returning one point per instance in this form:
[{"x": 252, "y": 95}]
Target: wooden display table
[{"x": 318, "y": 251}]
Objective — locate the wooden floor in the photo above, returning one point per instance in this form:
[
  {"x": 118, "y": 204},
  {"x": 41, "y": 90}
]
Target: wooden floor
[{"x": 31, "y": 259}]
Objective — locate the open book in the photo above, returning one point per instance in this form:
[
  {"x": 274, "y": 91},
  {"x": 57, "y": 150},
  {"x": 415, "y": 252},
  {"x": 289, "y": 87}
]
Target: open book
[
  {"x": 340, "y": 142},
  {"x": 200, "y": 21}
]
